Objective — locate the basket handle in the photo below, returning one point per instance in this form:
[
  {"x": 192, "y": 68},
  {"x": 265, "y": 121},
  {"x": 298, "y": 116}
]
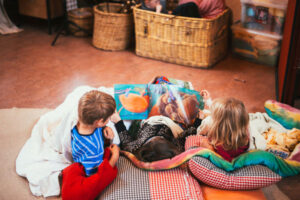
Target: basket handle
[
  {"x": 146, "y": 29},
  {"x": 221, "y": 31},
  {"x": 188, "y": 32}
]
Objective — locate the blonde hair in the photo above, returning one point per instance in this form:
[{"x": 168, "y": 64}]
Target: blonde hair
[
  {"x": 95, "y": 105},
  {"x": 229, "y": 126}
]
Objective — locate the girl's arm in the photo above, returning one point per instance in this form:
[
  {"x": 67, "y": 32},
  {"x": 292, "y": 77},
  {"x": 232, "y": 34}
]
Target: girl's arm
[
  {"x": 128, "y": 143},
  {"x": 123, "y": 133},
  {"x": 121, "y": 128},
  {"x": 204, "y": 127}
]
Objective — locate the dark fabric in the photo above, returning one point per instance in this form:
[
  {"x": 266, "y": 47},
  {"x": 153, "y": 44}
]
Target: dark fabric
[
  {"x": 197, "y": 123},
  {"x": 120, "y": 126},
  {"x": 77, "y": 186},
  {"x": 128, "y": 143},
  {"x": 187, "y": 10},
  {"x": 134, "y": 128}
]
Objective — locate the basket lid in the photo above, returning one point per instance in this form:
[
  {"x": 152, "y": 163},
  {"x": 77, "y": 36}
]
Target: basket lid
[{"x": 81, "y": 13}]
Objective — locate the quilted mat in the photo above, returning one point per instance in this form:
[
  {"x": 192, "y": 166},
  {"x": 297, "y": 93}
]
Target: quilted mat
[{"x": 136, "y": 184}]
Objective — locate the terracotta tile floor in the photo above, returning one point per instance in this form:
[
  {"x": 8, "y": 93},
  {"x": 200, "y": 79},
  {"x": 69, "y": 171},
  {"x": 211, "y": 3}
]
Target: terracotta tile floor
[{"x": 34, "y": 74}]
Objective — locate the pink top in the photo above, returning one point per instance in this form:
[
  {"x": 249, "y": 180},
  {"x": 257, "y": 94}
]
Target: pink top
[{"x": 207, "y": 8}]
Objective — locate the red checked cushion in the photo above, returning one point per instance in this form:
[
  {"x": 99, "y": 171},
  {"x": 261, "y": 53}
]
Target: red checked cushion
[{"x": 245, "y": 178}]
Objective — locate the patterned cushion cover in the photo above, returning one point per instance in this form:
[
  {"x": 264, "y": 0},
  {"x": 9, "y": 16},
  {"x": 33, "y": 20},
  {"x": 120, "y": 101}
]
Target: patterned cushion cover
[
  {"x": 134, "y": 183},
  {"x": 245, "y": 178}
]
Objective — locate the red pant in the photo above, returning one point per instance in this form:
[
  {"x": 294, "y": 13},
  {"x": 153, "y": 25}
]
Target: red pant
[{"x": 77, "y": 186}]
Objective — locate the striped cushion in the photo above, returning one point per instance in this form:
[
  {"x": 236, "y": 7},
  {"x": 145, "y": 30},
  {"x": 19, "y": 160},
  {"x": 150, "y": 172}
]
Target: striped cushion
[{"x": 134, "y": 183}]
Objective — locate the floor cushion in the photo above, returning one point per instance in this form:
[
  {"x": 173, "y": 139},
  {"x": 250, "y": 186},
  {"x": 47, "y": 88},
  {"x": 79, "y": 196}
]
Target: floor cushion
[
  {"x": 246, "y": 178},
  {"x": 211, "y": 193}
]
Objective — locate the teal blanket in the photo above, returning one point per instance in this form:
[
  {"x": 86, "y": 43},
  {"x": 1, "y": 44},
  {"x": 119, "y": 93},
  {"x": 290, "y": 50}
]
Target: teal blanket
[{"x": 283, "y": 167}]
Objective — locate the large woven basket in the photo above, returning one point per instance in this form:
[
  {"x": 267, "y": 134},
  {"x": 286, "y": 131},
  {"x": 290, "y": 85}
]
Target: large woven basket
[
  {"x": 112, "y": 30},
  {"x": 195, "y": 42},
  {"x": 82, "y": 17}
]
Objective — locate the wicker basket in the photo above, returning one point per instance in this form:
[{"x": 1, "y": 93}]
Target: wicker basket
[
  {"x": 83, "y": 17},
  {"x": 112, "y": 30},
  {"x": 187, "y": 41}
]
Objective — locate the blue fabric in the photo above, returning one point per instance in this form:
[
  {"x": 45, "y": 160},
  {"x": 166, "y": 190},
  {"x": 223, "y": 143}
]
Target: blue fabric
[{"x": 88, "y": 149}]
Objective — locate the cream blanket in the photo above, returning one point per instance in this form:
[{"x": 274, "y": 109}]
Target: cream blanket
[
  {"x": 259, "y": 123},
  {"x": 48, "y": 151}
]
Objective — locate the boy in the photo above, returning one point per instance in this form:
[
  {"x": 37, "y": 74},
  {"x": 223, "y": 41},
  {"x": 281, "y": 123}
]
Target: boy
[{"x": 94, "y": 168}]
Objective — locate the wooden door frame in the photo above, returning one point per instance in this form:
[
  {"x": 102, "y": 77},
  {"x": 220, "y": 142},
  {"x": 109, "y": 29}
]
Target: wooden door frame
[{"x": 289, "y": 58}]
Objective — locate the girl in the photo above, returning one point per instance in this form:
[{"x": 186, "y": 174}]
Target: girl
[{"x": 227, "y": 128}]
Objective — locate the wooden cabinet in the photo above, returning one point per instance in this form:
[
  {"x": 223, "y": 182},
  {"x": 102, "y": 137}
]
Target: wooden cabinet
[
  {"x": 38, "y": 8},
  {"x": 44, "y": 9}
]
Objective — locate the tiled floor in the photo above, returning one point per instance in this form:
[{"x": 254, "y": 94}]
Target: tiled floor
[{"x": 34, "y": 74}]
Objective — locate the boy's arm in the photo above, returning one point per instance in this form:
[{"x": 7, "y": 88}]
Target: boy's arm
[{"x": 108, "y": 133}]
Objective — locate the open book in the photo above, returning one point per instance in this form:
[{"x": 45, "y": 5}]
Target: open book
[
  {"x": 140, "y": 101},
  {"x": 172, "y": 81}
]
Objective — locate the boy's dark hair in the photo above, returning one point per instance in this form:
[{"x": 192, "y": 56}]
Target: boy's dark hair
[{"x": 95, "y": 105}]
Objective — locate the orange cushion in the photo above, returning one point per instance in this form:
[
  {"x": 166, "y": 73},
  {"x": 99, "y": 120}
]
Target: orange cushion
[{"x": 210, "y": 193}]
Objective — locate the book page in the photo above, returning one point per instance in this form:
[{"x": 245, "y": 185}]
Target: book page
[
  {"x": 181, "y": 83},
  {"x": 179, "y": 104},
  {"x": 132, "y": 101}
]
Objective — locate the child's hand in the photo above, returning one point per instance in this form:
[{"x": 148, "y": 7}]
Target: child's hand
[
  {"x": 115, "y": 153},
  {"x": 200, "y": 114},
  {"x": 108, "y": 133},
  {"x": 115, "y": 150},
  {"x": 115, "y": 118},
  {"x": 203, "y": 113},
  {"x": 158, "y": 8},
  {"x": 152, "y": 3},
  {"x": 206, "y": 97},
  {"x": 205, "y": 94}
]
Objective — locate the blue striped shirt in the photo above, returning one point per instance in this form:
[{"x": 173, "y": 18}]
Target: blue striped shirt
[{"x": 88, "y": 149}]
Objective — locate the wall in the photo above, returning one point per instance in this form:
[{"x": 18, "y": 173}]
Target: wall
[{"x": 235, "y": 6}]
